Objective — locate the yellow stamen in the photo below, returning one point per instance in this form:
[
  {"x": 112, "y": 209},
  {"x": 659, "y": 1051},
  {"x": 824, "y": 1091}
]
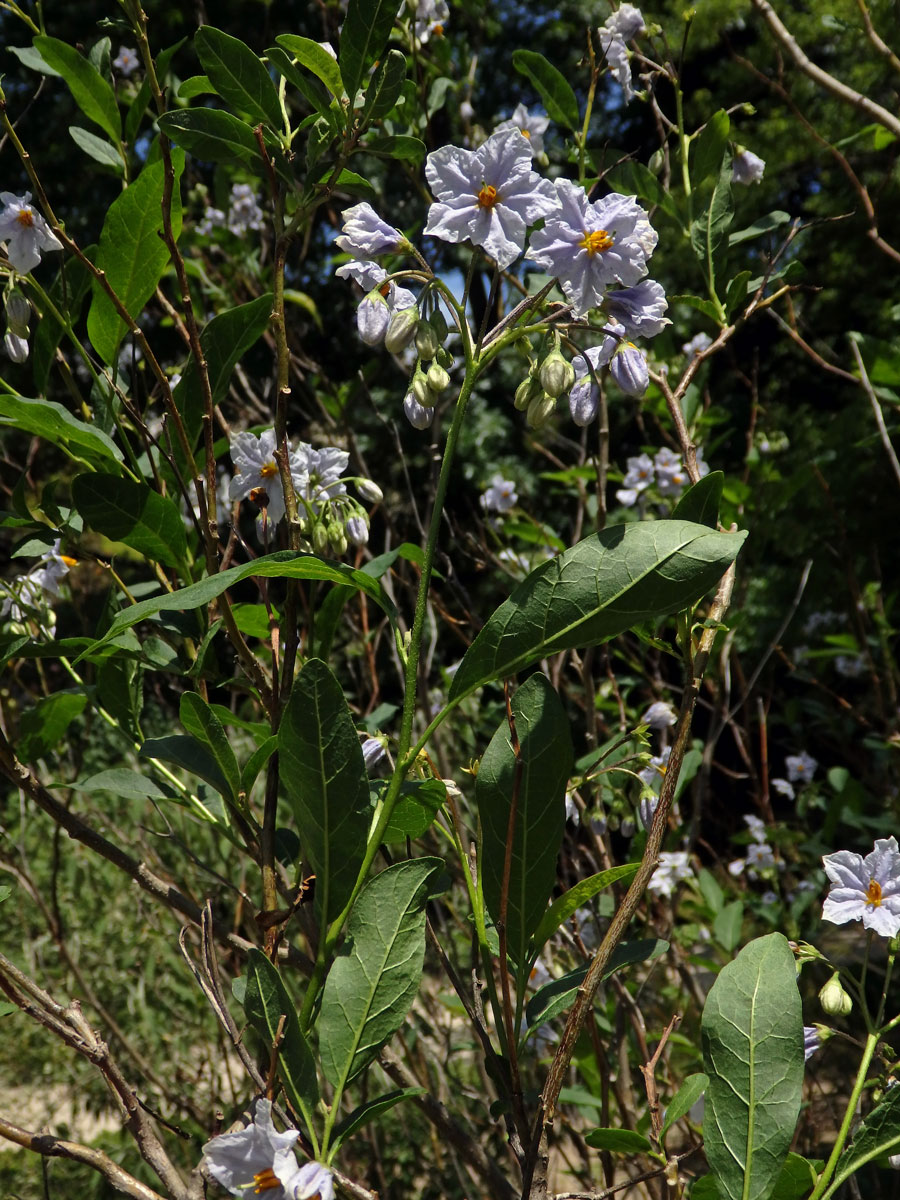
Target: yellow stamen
[
  {"x": 438, "y": 31},
  {"x": 68, "y": 560},
  {"x": 525, "y": 133},
  {"x": 25, "y": 217},
  {"x": 596, "y": 242},
  {"x": 269, "y": 471},
  {"x": 265, "y": 1181},
  {"x": 487, "y": 197},
  {"x": 873, "y": 893}
]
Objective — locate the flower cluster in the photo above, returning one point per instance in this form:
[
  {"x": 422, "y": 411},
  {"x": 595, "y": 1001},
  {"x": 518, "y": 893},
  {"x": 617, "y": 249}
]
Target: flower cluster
[
  {"x": 759, "y": 852},
  {"x": 244, "y": 213},
  {"x": 329, "y": 517},
  {"x": 28, "y": 596},
  {"x": 622, "y": 26},
  {"x": 258, "y": 1159},
  {"x": 25, "y": 232},
  {"x": 800, "y": 769},
  {"x": 674, "y": 866},
  {"x": 665, "y": 470}
]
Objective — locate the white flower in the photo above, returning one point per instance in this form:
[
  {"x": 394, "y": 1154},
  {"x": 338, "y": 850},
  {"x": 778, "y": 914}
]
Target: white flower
[
  {"x": 25, "y": 232},
  {"x": 488, "y": 196},
  {"x": 671, "y": 480},
  {"x": 530, "y": 125},
  {"x": 747, "y": 167},
  {"x": 626, "y": 22},
  {"x": 639, "y": 476},
  {"x": 702, "y": 465},
  {"x": 126, "y": 61},
  {"x": 666, "y": 460},
  {"x": 500, "y": 496},
  {"x": 243, "y": 211},
  {"x": 365, "y": 234},
  {"x": 572, "y": 813},
  {"x": 417, "y": 415},
  {"x": 850, "y": 666},
  {"x": 698, "y": 343},
  {"x": 620, "y": 27},
  {"x": 312, "y": 1181},
  {"x": 363, "y": 271},
  {"x": 865, "y": 889},
  {"x": 660, "y": 714},
  {"x": 784, "y": 788},
  {"x": 520, "y": 562},
  {"x": 628, "y": 367},
  {"x": 213, "y": 218},
  {"x": 430, "y": 17},
  {"x": 674, "y": 865},
  {"x": 757, "y": 827},
  {"x": 627, "y": 496},
  {"x": 656, "y": 767},
  {"x": 639, "y": 309},
  {"x": 589, "y": 247},
  {"x": 759, "y": 855},
  {"x": 259, "y": 1160},
  {"x": 16, "y": 347},
  {"x": 800, "y": 767},
  {"x": 584, "y": 397},
  {"x": 257, "y": 471},
  {"x": 324, "y": 469}
]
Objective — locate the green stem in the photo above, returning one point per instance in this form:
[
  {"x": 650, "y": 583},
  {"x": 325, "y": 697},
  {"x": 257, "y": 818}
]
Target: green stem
[{"x": 844, "y": 1131}]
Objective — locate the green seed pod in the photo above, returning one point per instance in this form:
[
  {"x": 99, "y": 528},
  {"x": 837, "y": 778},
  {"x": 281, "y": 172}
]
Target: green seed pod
[
  {"x": 427, "y": 343},
  {"x": 540, "y": 409},
  {"x": 437, "y": 377}
]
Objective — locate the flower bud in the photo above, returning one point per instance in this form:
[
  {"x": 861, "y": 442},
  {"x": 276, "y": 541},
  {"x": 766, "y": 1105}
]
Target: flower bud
[
  {"x": 427, "y": 343},
  {"x": 444, "y": 357},
  {"x": 18, "y": 314},
  {"x": 373, "y": 317},
  {"x": 556, "y": 375},
  {"x": 357, "y": 530},
  {"x": 373, "y": 752},
  {"x": 337, "y": 538},
  {"x": 584, "y": 401},
  {"x": 370, "y": 491},
  {"x": 420, "y": 388},
  {"x": 627, "y": 827},
  {"x": 320, "y": 539},
  {"x": 419, "y": 416},
  {"x": 439, "y": 325},
  {"x": 401, "y": 329},
  {"x": 529, "y": 389},
  {"x": 539, "y": 410},
  {"x": 16, "y": 347},
  {"x": 437, "y": 378},
  {"x": 629, "y": 369},
  {"x": 834, "y": 1000}
]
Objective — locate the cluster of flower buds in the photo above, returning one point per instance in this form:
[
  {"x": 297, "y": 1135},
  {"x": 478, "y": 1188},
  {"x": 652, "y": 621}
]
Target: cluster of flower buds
[
  {"x": 431, "y": 376},
  {"x": 18, "y": 312}
]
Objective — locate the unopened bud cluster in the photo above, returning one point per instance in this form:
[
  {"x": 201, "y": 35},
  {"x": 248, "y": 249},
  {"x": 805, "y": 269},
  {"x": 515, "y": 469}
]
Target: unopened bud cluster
[{"x": 18, "y": 313}]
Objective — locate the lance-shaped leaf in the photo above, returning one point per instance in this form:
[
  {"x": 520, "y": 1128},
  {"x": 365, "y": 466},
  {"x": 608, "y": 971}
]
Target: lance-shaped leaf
[
  {"x": 363, "y": 37},
  {"x": 92, "y": 93},
  {"x": 556, "y": 996},
  {"x": 273, "y": 1015},
  {"x": 752, "y": 1034},
  {"x": 700, "y": 503},
  {"x": 238, "y": 75},
  {"x": 315, "y": 58},
  {"x": 384, "y": 90},
  {"x": 683, "y": 1101},
  {"x": 372, "y": 984},
  {"x": 552, "y": 86},
  {"x": 202, "y": 723},
  {"x": 213, "y": 135},
  {"x": 602, "y": 586},
  {"x": 49, "y": 420},
  {"x": 536, "y": 783},
  {"x": 580, "y": 893},
  {"x": 365, "y": 1112},
  {"x": 129, "y": 511},
  {"x": 324, "y": 775}
]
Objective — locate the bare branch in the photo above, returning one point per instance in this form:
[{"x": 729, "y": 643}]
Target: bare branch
[{"x": 876, "y": 409}]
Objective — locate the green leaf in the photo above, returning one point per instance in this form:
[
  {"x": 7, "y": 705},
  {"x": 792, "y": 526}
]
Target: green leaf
[
  {"x": 29, "y": 57},
  {"x": 5, "y": 893},
  {"x": 97, "y": 148},
  {"x": 132, "y": 253},
  {"x": 316, "y": 96},
  {"x": 565, "y": 905},
  {"x": 91, "y": 92},
  {"x": 538, "y": 780},
  {"x": 556, "y": 996},
  {"x": 683, "y": 1101},
  {"x": 371, "y": 1109},
  {"x": 192, "y": 756},
  {"x": 316, "y": 59},
  {"x": 705, "y": 306},
  {"x": 384, "y": 90},
  {"x": 324, "y": 777},
  {"x": 710, "y": 890},
  {"x": 238, "y": 76},
  {"x": 600, "y": 587},
  {"x": 283, "y": 564},
  {"x": 364, "y": 35},
  {"x": 410, "y": 149},
  {"x": 727, "y": 925},
  {"x": 551, "y": 85},
  {"x": 197, "y": 85},
  {"x": 772, "y": 220},
  {"x": 709, "y": 227},
  {"x": 710, "y": 147},
  {"x": 49, "y": 420},
  {"x": 419, "y": 803},
  {"x": 67, "y": 292},
  {"x": 700, "y": 503},
  {"x": 199, "y": 720},
  {"x": 736, "y": 295},
  {"x": 619, "y": 1141},
  {"x": 256, "y": 762},
  {"x": 878, "y": 1134},
  {"x": 128, "y": 785},
  {"x": 373, "y": 981},
  {"x": 43, "y": 727},
  {"x": 797, "y": 1179},
  {"x": 212, "y": 135},
  {"x": 131, "y": 512},
  {"x": 752, "y": 1034},
  {"x": 272, "y": 1014}
]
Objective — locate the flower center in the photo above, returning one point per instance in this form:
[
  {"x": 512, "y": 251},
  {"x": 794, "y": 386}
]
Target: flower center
[
  {"x": 269, "y": 470},
  {"x": 68, "y": 560},
  {"x": 265, "y": 1181},
  {"x": 25, "y": 217},
  {"x": 873, "y": 893},
  {"x": 487, "y": 197},
  {"x": 525, "y": 133},
  {"x": 596, "y": 242}
]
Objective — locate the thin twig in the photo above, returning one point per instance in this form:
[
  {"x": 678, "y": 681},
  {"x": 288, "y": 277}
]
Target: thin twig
[{"x": 876, "y": 409}]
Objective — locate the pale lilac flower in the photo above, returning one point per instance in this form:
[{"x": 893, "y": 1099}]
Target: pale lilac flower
[
  {"x": 800, "y": 767},
  {"x": 16, "y": 347},
  {"x": 518, "y": 562},
  {"x": 357, "y": 530},
  {"x": 373, "y": 317},
  {"x": 811, "y": 1041},
  {"x": 698, "y": 343},
  {"x": 488, "y": 196},
  {"x": 702, "y": 464},
  {"x": 417, "y": 415},
  {"x": 628, "y": 367},
  {"x": 671, "y": 481},
  {"x": 784, "y": 788},
  {"x": 53, "y": 567},
  {"x": 25, "y": 598},
  {"x": 213, "y": 218},
  {"x": 626, "y": 22},
  {"x": 572, "y": 813},
  {"x": 647, "y": 806},
  {"x": 126, "y": 61},
  {"x": 660, "y": 714},
  {"x": 429, "y": 18},
  {"x": 666, "y": 460},
  {"x": 759, "y": 855},
  {"x": 865, "y": 889},
  {"x": 639, "y": 476},
  {"x": 256, "y": 1159},
  {"x": 639, "y": 309},
  {"x": 626, "y": 828},
  {"x": 324, "y": 469},
  {"x": 244, "y": 213},
  {"x": 736, "y": 867},
  {"x": 584, "y": 398},
  {"x": 365, "y": 234},
  {"x": 373, "y": 752},
  {"x": 25, "y": 232},
  {"x": 364, "y": 271},
  {"x": 674, "y": 866},
  {"x": 312, "y": 1181},
  {"x": 620, "y": 27},
  {"x": 589, "y": 247},
  {"x": 627, "y": 497},
  {"x": 757, "y": 827},
  {"x": 747, "y": 167},
  {"x": 500, "y": 496},
  {"x": 850, "y": 666},
  {"x": 530, "y": 125},
  {"x": 256, "y": 471},
  {"x": 656, "y": 768}
]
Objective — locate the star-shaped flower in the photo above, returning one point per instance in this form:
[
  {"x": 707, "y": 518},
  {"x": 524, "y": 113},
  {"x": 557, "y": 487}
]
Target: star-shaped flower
[
  {"x": 530, "y": 125},
  {"x": 259, "y": 1160},
  {"x": 25, "y": 232},
  {"x": 255, "y": 470},
  {"x": 591, "y": 246},
  {"x": 488, "y": 196},
  {"x": 365, "y": 234},
  {"x": 500, "y": 496},
  {"x": 865, "y": 889}
]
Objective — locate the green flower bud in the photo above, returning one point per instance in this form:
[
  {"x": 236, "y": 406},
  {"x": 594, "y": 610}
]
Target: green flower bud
[
  {"x": 437, "y": 377},
  {"x": 834, "y": 1000},
  {"x": 320, "y": 539},
  {"x": 529, "y": 389},
  {"x": 444, "y": 357},
  {"x": 419, "y": 387},
  {"x": 540, "y": 410},
  {"x": 401, "y": 329},
  {"x": 439, "y": 325},
  {"x": 557, "y": 375},
  {"x": 427, "y": 343},
  {"x": 337, "y": 537}
]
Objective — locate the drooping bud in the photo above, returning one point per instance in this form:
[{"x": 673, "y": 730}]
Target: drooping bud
[
  {"x": 529, "y": 389},
  {"x": 437, "y": 378},
  {"x": 16, "y": 347},
  {"x": 373, "y": 317},
  {"x": 421, "y": 390},
  {"x": 427, "y": 342},
  {"x": 373, "y": 752},
  {"x": 556, "y": 375},
  {"x": 18, "y": 314},
  {"x": 629, "y": 369},
  {"x": 401, "y": 329},
  {"x": 584, "y": 401},
  {"x": 417, "y": 414},
  {"x": 834, "y": 1000},
  {"x": 357, "y": 529},
  {"x": 337, "y": 537},
  {"x": 320, "y": 538},
  {"x": 439, "y": 325},
  {"x": 370, "y": 491},
  {"x": 540, "y": 410}
]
